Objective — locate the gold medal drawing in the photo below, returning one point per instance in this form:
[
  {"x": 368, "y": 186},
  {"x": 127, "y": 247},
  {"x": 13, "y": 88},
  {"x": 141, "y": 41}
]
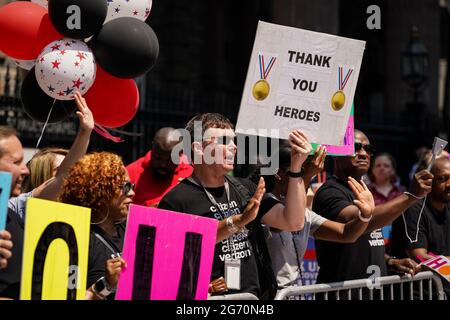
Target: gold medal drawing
[
  {"x": 338, "y": 100},
  {"x": 261, "y": 90}
]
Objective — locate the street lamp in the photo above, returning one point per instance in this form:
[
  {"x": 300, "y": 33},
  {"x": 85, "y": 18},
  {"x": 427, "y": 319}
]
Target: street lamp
[{"x": 415, "y": 64}]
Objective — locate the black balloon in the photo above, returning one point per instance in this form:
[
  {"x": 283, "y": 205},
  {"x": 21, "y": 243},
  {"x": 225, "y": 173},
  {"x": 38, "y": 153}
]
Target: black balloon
[
  {"x": 36, "y": 103},
  {"x": 125, "y": 47},
  {"x": 77, "y": 19}
]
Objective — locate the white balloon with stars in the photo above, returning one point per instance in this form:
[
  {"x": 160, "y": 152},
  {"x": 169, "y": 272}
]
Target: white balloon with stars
[
  {"x": 139, "y": 9},
  {"x": 64, "y": 67}
]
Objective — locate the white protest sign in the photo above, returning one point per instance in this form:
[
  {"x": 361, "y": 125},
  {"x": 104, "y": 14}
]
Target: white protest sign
[{"x": 299, "y": 79}]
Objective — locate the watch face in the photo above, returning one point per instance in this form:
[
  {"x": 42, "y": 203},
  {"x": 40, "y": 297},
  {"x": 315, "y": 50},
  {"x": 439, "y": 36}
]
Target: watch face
[{"x": 99, "y": 285}]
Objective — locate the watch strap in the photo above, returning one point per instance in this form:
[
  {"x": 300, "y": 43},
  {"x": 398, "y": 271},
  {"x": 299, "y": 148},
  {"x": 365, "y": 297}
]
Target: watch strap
[
  {"x": 295, "y": 174},
  {"x": 102, "y": 287}
]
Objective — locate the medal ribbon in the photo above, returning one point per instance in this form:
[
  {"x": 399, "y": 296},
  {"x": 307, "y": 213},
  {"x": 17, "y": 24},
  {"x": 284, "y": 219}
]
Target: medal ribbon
[
  {"x": 263, "y": 71},
  {"x": 343, "y": 79}
]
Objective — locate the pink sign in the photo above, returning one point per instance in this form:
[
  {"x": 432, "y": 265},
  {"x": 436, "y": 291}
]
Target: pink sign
[
  {"x": 169, "y": 255},
  {"x": 438, "y": 264},
  {"x": 348, "y": 148}
]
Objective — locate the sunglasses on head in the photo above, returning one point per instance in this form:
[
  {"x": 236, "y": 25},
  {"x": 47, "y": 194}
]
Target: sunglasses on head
[
  {"x": 370, "y": 149},
  {"x": 127, "y": 187}
]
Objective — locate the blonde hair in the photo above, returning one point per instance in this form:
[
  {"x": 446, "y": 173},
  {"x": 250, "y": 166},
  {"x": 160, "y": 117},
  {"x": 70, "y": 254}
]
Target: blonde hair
[{"x": 41, "y": 167}]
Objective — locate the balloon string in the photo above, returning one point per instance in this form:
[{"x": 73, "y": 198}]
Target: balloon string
[
  {"x": 105, "y": 134},
  {"x": 132, "y": 134},
  {"x": 45, "y": 124}
]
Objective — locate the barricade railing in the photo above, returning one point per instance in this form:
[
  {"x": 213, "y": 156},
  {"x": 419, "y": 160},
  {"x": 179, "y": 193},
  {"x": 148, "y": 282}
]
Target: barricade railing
[
  {"x": 345, "y": 289},
  {"x": 236, "y": 296}
]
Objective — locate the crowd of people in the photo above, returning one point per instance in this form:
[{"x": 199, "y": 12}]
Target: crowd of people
[{"x": 264, "y": 220}]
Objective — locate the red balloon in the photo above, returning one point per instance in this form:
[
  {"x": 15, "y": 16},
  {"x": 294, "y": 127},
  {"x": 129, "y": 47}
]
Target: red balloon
[
  {"x": 25, "y": 29},
  {"x": 113, "y": 101}
]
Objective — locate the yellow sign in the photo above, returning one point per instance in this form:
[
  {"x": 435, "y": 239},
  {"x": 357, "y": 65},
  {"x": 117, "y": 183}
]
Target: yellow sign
[{"x": 55, "y": 255}]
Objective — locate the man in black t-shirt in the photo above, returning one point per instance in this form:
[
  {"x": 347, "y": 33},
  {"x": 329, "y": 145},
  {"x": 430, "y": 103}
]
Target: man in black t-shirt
[
  {"x": 210, "y": 193},
  {"x": 334, "y": 201},
  {"x": 432, "y": 233}
]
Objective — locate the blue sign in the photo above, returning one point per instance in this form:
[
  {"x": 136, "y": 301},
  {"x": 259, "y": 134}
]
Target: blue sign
[{"x": 5, "y": 190}]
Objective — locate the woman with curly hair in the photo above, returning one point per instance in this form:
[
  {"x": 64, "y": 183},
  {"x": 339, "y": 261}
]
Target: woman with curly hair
[{"x": 100, "y": 181}]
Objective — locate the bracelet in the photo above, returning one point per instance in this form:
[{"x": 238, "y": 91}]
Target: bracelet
[
  {"x": 362, "y": 218},
  {"x": 230, "y": 225},
  {"x": 413, "y": 195}
]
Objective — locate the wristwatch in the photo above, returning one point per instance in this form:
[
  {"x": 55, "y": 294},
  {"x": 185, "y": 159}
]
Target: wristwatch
[
  {"x": 102, "y": 287},
  {"x": 295, "y": 174}
]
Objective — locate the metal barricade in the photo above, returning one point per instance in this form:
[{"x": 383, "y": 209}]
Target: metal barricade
[
  {"x": 345, "y": 289},
  {"x": 236, "y": 296}
]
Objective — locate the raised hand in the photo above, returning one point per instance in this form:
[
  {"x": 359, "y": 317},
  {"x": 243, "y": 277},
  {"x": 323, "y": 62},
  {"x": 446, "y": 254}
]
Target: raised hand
[
  {"x": 315, "y": 165},
  {"x": 252, "y": 208},
  {"x": 84, "y": 114},
  {"x": 364, "y": 198},
  {"x": 421, "y": 183},
  {"x": 301, "y": 148}
]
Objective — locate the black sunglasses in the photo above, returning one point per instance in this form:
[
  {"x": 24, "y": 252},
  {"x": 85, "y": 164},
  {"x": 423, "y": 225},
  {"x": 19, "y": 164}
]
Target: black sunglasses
[
  {"x": 370, "y": 149},
  {"x": 127, "y": 187},
  {"x": 225, "y": 140}
]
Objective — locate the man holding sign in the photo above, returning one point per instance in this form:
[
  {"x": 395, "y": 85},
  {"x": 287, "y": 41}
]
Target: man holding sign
[{"x": 210, "y": 192}]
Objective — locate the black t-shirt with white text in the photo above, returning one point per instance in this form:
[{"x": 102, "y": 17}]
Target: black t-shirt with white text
[
  {"x": 342, "y": 261},
  {"x": 188, "y": 197}
]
